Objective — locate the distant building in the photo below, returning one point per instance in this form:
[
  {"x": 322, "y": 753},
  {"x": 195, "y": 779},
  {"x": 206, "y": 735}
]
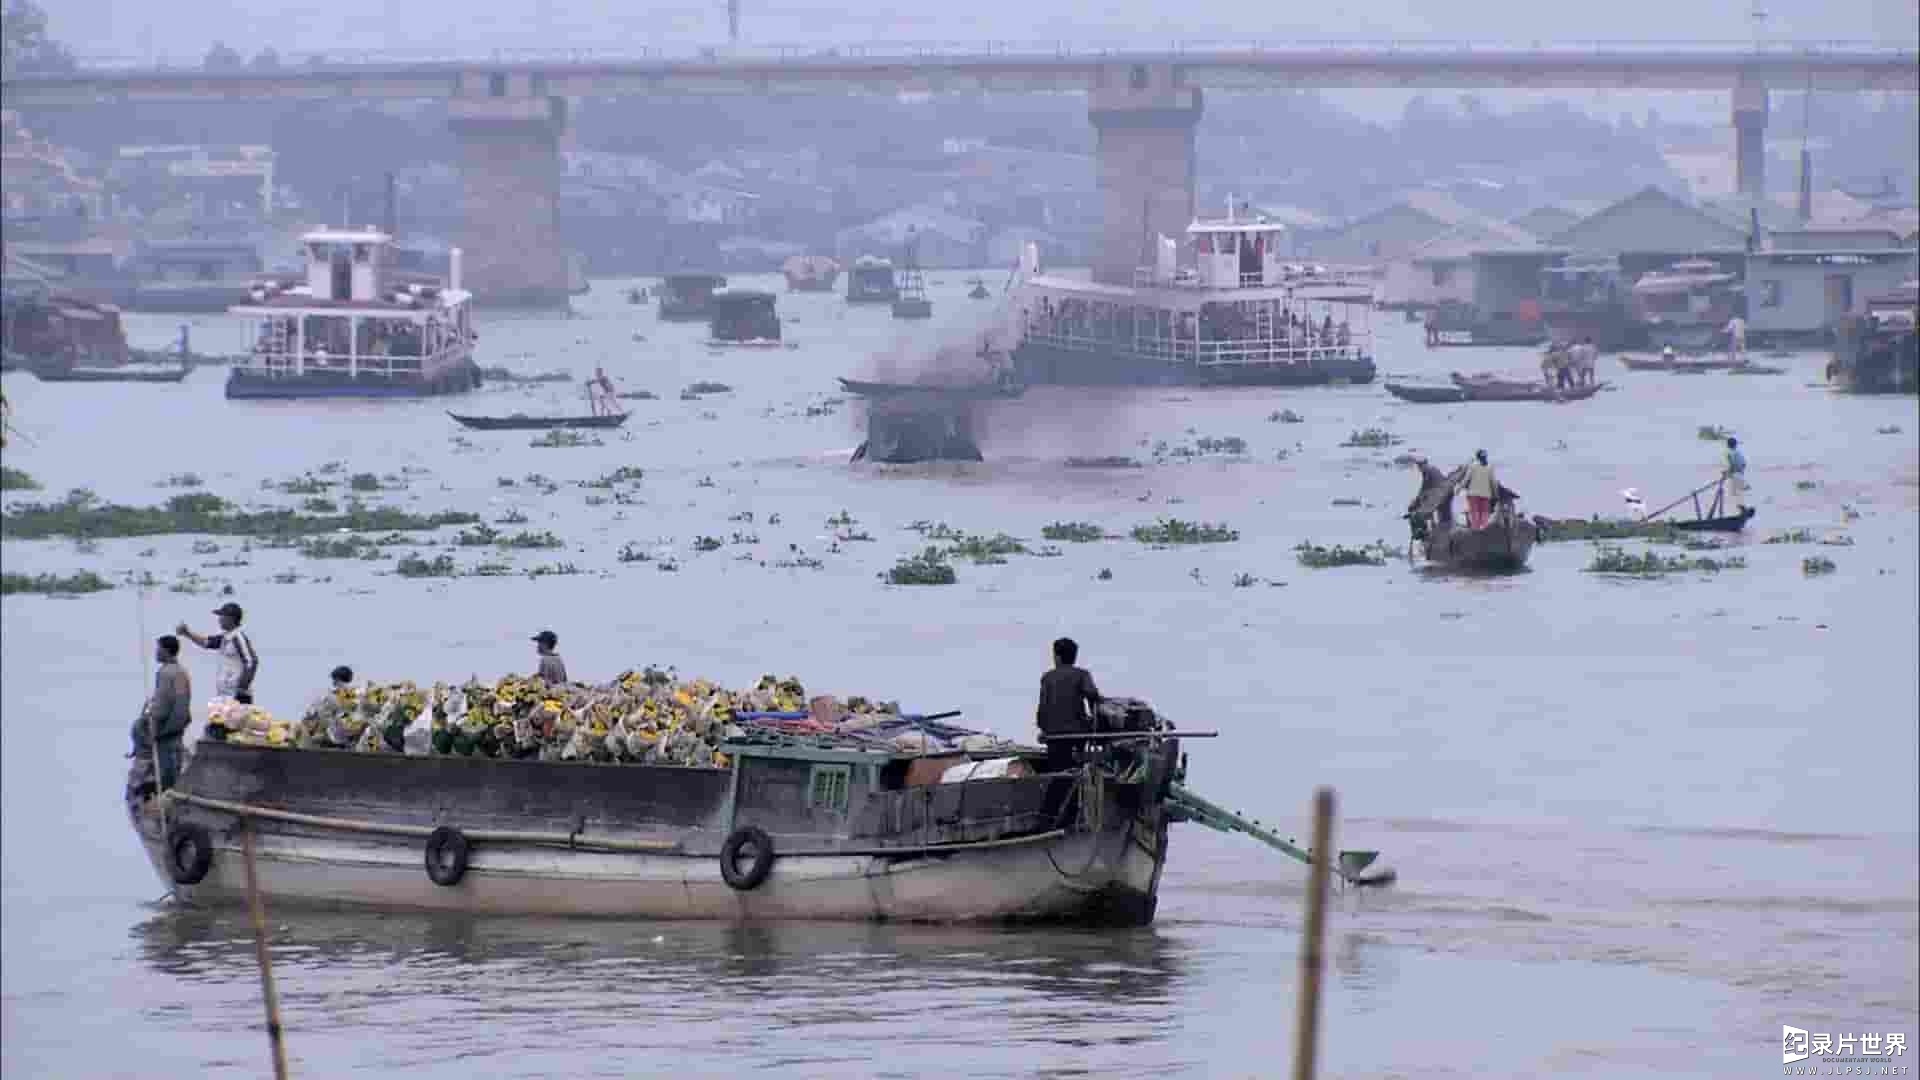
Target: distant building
[
  {"x": 1652, "y": 230},
  {"x": 1392, "y": 233},
  {"x": 945, "y": 240},
  {"x": 207, "y": 181},
  {"x": 1808, "y": 280},
  {"x": 40, "y": 180},
  {"x": 1488, "y": 264}
]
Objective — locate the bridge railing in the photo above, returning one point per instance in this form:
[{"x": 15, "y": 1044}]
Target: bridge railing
[{"x": 1199, "y": 50}]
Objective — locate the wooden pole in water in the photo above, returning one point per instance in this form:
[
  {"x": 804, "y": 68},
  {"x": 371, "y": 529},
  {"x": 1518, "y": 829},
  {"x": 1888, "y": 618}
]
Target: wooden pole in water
[
  {"x": 1307, "y": 1019},
  {"x": 260, "y": 950}
]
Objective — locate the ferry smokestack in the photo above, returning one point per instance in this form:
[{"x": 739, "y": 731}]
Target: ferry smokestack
[
  {"x": 453, "y": 270},
  {"x": 1806, "y": 185}
]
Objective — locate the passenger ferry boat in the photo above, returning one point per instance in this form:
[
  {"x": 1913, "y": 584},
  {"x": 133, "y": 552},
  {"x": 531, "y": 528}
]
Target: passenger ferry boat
[
  {"x": 1240, "y": 316},
  {"x": 356, "y": 328},
  {"x": 1688, "y": 304}
]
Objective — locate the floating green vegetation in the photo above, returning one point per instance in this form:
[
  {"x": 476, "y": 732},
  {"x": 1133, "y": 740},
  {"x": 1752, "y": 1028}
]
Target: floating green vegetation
[
  {"x": 182, "y": 480},
  {"x": 365, "y": 481},
  {"x": 341, "y": 547},
  {"x": 841, "y": 520},
  {"x": 1078, "y": 532},
  {"x": 82, "y": 514},
  {"x": 936, "y": 530},
  {"x": 307, "y": 484},
  {"x": 1111, "y": 461},
  {"x": 1232, "y": 445},
  {"x": 1714, "y": 433},
  {"x": 564, "y": 438},
  {"x": 1890, "y": 429},
  {"x": 1792, "y": 536},
  {"x": 1244, "y": 581},
  {"x": 930, "y": 567},
  {"x": 985, "y": 549},
  {"x": 1815, "y": 565},
  {"x": 513, "y": 517},
  {"x": 1104, "y": 575},
  {"x": 707, "y": 543},
  {"x": 704, "y": 387},
  {"x": 1315, "y": 557},
  {"x": 1285, "y": 416},
  {"x": 631, "y": 552},
  {"x": 1372, "y": 439},
  {"x": 1805, "y": 485},
  {"x": 1176, "y": 531},
  {"x": 12, "y": 479},
  {"x": 637, "y": 395},
  {"x": 565, "y": 569},
  {"x": 205, "y": 547},
  {"x": 86, "y": 581},
  {"x": 1598, "y": 528},
  {"x": 502, "y": 374},
  {"x": 320, "y": 504},
  {"x": 625, "y": 474},
  {"x": 413, "y": 566},
  {"x": 1613, "y": 560},
  {"x": 482, "y": 535}
]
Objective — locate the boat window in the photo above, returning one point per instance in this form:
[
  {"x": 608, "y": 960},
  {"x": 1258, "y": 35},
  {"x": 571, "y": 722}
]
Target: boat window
[
  {"x": 827, "y": 788},
  {"x": 1229, "y": 243},
  {"x": 1772, "y": 293},
  {"x": 362, "y": 252},
  {"x": 1203, "y": 244}
]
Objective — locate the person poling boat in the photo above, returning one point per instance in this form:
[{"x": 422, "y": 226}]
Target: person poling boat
[{"x": 1736, "y": 475}]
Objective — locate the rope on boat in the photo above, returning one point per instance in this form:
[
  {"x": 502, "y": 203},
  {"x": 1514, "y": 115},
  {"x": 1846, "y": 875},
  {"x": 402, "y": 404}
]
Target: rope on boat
[{"x": 498, "y": 836}]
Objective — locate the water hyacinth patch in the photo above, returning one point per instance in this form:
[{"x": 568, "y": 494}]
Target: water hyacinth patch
[
  {"x": 1176, "y": 531},
  {"x": 1800, "y": 535},
  {"x": 86, "y": 581},
  {"x": 985, "y": 549},
  {"x": 1078, "y": 532},
  {"x": 1815, "y": 565},
  {"x": 625, "y": 474},
  {"x": 1372, "y": 439},
  {"x": 704, "y": 387},
  {"x": 413, "y": 566},
  {"x": 1714, "y": 433},
  {"x": 1316, "y": 557},
  {"x": 563, "y": 438},
  {"x": 1614, "y": 560},
  {"x": 82, "y": 514},
  {"x": 1285, "y": 416},
  {"x": 930, "y": 567},
  {"x": 12, "y": 479},
  {"x": 1598, "y": 528}
]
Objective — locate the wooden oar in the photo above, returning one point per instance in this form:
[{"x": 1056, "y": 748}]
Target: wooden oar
[{"x": 1681, "y": 499}]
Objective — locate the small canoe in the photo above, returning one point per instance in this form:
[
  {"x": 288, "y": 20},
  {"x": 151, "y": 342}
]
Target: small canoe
[
  {"x": 1725, "y": 523},
  {"x": 985, "y": 390},
  {"x": 538, "y": 423},
  {"x": 1483, "y": 388},
  {"x": 112, "y": 374},
  {"x": 1427, "y": 395},
  {"x": 1639, "y": 363}
]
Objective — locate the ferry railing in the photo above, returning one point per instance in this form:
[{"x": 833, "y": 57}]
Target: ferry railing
[
  {"x": 279, "y": 364},
  {"x": 1261, "y": 351}
]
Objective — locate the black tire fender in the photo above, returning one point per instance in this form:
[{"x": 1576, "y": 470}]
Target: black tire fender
[
  {"x": 446, "y": 857},
  {"x": 189, "y": 854},
  {"x": 756, "y": 871}
]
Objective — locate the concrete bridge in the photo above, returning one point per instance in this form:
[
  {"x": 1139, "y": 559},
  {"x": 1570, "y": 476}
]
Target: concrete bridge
[{"x": 508, "y": 109}]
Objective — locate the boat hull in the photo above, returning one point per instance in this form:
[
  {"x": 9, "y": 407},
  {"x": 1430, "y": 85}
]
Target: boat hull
[
  {"x": 980, "y": 391},
  {"x": 1427, "y": 395},
  {"x": 1725, "y": 523},
  {"x": 538, "y": 423},
  {"x": 249, "y": 386},
  {"x": 110, "y": 375},
  {"x": 1501, "y": 547},
  {"x": 872, "y": 866},
  {"x": 1039, "y": 364}
]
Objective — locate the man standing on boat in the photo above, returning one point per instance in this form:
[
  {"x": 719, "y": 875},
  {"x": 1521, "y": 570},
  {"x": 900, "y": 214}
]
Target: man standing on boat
[
  {"x": 239, "y": 663},
  {"x": 1435, "y": 497},
  {"x": 1481, "y": 487},
  {"x": 164, "y": 722},
  {"x": 1736, "y": 475},
  {"x": 553, "y": 670},
  {"x": 1067, "y": 697}
]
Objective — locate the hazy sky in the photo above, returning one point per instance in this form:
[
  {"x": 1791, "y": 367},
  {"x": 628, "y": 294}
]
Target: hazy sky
[{"x": 182, "y": 28}]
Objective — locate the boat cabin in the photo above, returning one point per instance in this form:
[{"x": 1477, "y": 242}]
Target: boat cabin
[
  {"x": 688, "y": 297},
  {"x": 1228, "y": 255},
  {"x": 354, "y": 316},
  {"x": 744, "y": 315}
]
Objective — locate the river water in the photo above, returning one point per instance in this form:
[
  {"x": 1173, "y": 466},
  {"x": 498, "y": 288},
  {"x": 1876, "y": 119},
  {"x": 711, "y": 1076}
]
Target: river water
[{"x": 1638, "y": 823}]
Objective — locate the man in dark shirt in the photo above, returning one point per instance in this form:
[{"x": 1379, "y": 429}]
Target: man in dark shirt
[
  {"x": 164, "y": 722},
  {"x": 552, "y": 669},
  {"x": 1067, "y": 695}
]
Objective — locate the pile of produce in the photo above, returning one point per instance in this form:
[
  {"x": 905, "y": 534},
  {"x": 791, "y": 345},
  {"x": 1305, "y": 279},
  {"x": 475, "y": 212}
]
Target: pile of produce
[{"x": 647, "y": 717}]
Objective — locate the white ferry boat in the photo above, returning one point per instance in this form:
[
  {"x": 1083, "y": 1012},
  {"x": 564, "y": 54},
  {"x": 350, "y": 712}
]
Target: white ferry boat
[
  {"x": 1240, "y": 316},
  {"x": 356, "y": 327}
]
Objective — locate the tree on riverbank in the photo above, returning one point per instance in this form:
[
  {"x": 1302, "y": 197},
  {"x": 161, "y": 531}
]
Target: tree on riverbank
[{"x": 29, "y": 50}]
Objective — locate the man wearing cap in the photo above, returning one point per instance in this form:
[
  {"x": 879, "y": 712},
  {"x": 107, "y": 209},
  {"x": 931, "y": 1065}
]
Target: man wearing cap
[
  {"x": 553, "y": 670},
  {"x": 239, "y": 663},
  {"x": 162, "y": 724}
]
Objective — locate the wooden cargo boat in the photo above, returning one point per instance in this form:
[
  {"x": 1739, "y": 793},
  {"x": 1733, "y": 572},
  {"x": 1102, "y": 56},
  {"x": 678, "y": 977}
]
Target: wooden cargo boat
[
  {"x": 1678, "y": 364},
  {"x": 787, "y": 829},
  {"x": 1502, "y": 546},
  {"x": 1493, "y": 388},
  {"x": 121, "y": 374}
]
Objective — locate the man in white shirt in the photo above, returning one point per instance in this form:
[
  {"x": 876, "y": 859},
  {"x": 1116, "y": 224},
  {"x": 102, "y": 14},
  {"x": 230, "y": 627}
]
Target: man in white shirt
[{"x": 239, "y": 663}]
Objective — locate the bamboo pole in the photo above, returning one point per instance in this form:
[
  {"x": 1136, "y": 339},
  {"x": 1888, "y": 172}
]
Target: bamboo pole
[
  {"x": 260, "y": 949},
  {"x": 1307, "y": 1019}
]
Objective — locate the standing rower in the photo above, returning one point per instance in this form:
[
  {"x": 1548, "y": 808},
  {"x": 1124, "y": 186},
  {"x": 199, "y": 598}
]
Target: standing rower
[{"x": 1067, "y": 695}]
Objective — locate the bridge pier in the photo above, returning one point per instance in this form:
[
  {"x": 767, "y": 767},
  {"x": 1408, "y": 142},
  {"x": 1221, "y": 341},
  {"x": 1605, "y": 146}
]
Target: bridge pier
[
  {"x": 508, "y": 134},
  {"x": 1750, "y": 139},
  {"x": 1144, "y": 162}
]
